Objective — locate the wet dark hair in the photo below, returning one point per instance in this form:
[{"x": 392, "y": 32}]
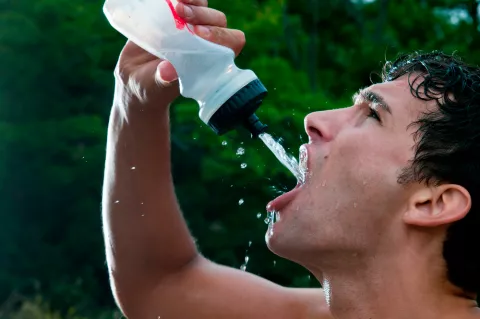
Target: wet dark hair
[{"x": 447, "y": 147}]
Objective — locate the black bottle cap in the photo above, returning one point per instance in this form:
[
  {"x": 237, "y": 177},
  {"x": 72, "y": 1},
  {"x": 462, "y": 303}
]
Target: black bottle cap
[{"x": 239, "y": 110}]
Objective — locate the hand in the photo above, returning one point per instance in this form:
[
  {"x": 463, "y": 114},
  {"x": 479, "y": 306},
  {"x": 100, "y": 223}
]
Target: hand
[{"x": 147, "y": 77}]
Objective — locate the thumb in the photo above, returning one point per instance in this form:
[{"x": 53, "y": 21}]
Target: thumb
[{"x": 166, "y": 72}]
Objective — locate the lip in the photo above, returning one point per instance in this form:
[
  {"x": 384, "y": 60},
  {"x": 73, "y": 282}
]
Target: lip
[
  {"x": 279, "y": 203},
  {"x": 282, "y": 201}
]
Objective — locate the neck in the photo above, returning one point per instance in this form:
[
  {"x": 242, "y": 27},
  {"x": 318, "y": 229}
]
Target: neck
[{"x": 394, "y": 288}]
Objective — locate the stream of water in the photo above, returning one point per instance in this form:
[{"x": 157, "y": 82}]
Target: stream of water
[{"x": 286, "y": 159}]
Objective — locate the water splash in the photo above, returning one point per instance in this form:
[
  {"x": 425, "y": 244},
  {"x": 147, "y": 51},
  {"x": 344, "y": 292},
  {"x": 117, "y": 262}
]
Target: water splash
[
  {"x": 240, "y": 151},
  {"x": 271, "y": 217},
  {"x": 224, "y": 143},
  {"x": 244, "y": 165},
  {"x": 287, "y": 160}
]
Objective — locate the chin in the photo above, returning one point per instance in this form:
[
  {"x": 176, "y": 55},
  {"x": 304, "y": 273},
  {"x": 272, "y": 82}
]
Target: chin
[{"x": 284, "y": 235}]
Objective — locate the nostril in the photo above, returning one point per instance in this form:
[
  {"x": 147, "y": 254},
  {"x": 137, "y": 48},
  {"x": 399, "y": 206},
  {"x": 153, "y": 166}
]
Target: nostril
[{"x": 313, "y": 133}]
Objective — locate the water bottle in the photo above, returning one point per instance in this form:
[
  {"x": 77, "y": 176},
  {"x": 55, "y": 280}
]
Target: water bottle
[{"x": 228, "y": 96}]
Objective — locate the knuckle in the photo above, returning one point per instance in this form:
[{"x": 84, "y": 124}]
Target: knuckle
[{"x": 122, "y": 72}]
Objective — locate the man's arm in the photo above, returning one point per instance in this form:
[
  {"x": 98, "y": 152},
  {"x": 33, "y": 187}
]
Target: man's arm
[{"x": 155, "y": 268}]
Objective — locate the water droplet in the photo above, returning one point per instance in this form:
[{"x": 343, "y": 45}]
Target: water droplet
[
  {"x": 355, "y": 205},
  {"x": 231, "y": 186},
  {"x": 224, "y": 143},
  {"x": 141, "y": 203},
  {"x": 267, "y": 220},
  {"x": 241, "y": 201},
  {"x": 244, "y": 266},
  {"x": 133, "y": 168},
  {"x": 249, "y": 244},
  {"x": 143, "y": 215},
  {"x": 117, "y": 202},
  {"x": 259, "y": 215},
  {"x": 274, "y": 263},
  {"x": 244, "y": 165},
  {"x": 324, "y": 183},
  {"x": 240, "y": 151}
]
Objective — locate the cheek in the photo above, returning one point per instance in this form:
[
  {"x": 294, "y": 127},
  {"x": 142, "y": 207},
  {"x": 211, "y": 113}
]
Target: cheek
[{"x": 365, "y": 166}]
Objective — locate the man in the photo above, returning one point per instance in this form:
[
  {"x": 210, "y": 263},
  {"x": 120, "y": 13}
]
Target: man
[{"x": 386, "y": 219}]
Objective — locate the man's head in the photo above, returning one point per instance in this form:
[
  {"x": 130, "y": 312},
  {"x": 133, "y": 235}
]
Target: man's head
[{"x": 398, "y": 171}]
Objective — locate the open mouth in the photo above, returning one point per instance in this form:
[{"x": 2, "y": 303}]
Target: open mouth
[{"x": 282, "y": 201}]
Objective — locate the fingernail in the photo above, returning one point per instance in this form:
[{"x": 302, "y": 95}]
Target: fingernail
[
  {"x": 165, "y": 72},
  {"x": 187, "y": 11},
  {"x": 202, "y": 31}
]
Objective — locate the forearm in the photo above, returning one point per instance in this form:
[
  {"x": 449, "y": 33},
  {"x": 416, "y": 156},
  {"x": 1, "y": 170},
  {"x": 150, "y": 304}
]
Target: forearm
[{"x": 145, "y": 233}]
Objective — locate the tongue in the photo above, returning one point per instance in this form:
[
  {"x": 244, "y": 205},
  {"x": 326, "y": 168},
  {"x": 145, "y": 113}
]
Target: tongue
[{"x": 282, "y": 201}]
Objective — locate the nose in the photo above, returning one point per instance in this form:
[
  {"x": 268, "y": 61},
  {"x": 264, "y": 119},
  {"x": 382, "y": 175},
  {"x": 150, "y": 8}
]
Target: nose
[{"x": 324, "y": 125}]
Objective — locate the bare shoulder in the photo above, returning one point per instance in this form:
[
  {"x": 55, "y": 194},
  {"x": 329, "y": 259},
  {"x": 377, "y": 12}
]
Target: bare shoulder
[{"x": 208, "y": 290}]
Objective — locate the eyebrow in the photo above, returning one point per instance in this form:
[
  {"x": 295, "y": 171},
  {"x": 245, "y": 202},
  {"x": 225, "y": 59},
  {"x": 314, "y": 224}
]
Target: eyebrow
[{"x": 373, "y": 98}]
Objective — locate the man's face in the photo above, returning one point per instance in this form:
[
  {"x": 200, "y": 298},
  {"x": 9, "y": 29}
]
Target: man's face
[{"x": 351, "y": 200}]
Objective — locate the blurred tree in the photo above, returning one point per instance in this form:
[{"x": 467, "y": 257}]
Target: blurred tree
[{"x": 56, "y": 61}]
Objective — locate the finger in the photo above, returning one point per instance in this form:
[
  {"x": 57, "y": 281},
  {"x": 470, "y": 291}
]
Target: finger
[
  {"x": 200, "y": 3},
  {"x": 233, "y": 39},
  {"x": 166, "y": 72},
  {"x": 202, "y": 15}
]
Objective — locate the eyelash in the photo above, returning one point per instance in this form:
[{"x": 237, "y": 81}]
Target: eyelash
[{"x": 374, "y": 114}]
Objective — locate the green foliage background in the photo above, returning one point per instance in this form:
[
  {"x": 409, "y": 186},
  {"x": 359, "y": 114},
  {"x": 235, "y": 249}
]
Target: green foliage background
[{"x": 56, "y": 86}]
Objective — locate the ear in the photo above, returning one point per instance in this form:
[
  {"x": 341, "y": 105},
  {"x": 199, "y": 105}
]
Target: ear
[{"x": 437, "y": 206}]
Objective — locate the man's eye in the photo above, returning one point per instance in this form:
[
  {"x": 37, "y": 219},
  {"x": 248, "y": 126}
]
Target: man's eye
[{"x": 374, "y": 114}]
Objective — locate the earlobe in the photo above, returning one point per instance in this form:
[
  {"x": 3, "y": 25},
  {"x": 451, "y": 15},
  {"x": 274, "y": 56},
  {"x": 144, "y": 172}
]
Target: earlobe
[{"x": 437, "y": 206}]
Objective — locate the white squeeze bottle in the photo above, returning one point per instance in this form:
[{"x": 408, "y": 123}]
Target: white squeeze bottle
[{"x": 228, "y": 97}]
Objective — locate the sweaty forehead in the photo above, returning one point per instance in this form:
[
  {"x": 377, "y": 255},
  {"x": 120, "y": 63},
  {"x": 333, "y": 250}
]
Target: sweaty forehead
[{"x": 398, "y": 95}]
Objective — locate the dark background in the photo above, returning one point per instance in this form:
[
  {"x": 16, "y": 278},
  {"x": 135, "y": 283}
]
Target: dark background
[{"x": 56, "y": 87}]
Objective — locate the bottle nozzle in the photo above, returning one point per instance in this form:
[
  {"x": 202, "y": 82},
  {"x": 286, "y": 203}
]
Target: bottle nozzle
[
  {"x": 254, "y": 125},
  {"x": 240, "y": 110}
]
